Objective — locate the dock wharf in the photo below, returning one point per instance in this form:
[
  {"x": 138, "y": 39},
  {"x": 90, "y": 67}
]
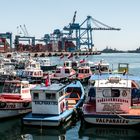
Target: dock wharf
[{"x": 49, "y": 54}]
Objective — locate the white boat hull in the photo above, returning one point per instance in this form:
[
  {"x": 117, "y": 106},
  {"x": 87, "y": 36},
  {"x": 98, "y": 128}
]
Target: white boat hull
[
  {"x": 112, "y": 121},
  {"x": 11, "y": 113},
  {"x": 46, "y": 121}
]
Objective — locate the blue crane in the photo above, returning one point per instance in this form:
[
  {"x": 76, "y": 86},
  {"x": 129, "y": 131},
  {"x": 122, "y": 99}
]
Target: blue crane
[{"x": 82, "y": 33}]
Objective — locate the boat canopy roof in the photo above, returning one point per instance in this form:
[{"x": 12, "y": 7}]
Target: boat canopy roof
[
  {"x": 16, "y": 81},
  {"x": 50, "y": 88},
  {"x": 113, "y": 82},
  {"x": 107, "y": 75}
]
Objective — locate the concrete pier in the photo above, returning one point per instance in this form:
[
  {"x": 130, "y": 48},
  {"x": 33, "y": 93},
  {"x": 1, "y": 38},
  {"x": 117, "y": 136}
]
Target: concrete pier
[{"x": 49, "y": 54}]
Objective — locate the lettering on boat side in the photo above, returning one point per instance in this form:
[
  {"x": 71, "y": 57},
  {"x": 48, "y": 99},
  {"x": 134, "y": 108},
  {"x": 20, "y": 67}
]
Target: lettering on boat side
[
  {"x": 111, "y": 121},
  {"x": 111, "y": 107},
  {"x": 112, "y": 131},
  {"x": 10, "y": 106},
  {"x": 45, "y": 102},
  {"x": 102, "y": 100},
  {"x": 25, "y": 91}
]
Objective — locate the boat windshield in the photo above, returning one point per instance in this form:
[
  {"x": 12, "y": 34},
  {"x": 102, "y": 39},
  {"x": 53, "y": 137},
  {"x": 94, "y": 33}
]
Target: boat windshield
[{"x": 11, "y": 88}]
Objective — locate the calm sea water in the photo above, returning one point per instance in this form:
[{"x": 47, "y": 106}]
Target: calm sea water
[{"x": 13, "y": 130}]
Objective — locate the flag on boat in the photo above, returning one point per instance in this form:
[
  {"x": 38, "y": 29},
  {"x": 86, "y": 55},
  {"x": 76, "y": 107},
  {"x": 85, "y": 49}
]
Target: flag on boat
[
  {"x": 70, "y": 56},
  {"x": 82, "y": 61},
  {"x": 47, "y": 81},
  {"x": 62, "y": 56}
]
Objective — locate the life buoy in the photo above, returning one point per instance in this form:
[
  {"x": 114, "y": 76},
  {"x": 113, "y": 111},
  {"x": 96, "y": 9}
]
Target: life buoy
[
  {"x": 2, "y": 104},
  {"x": 26, "y": 104},
  {"x": 124, "y": 93},
  {"x": 62, "y": 107}
]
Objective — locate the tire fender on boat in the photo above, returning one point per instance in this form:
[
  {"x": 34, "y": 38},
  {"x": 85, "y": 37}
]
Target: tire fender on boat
[
  {"x": 75, "y": 113},
  {"x": 26, "y": 104},
  {"x": 2, "y": 104}
]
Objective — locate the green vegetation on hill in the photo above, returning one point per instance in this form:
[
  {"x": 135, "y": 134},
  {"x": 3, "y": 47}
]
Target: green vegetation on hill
[
  {"x": 110, "y": 50},
  {"x": 135, "y": 51}
]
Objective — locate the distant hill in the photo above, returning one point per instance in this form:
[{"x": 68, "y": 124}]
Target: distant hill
[
  {"x": 134, "y": 51},
  {"x": 110, "y": 50}
]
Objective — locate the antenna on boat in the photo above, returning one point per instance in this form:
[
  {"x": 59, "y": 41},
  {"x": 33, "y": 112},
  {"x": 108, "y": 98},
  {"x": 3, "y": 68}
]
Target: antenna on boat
[{"x": 112, "y": 67}]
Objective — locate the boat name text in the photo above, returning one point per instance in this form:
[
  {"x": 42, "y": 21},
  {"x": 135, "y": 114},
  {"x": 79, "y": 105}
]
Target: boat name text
[
  {"x": 45, "y": 102},
  {"x": 112, "y": 100},
  {"x": 111, "y": 121}
]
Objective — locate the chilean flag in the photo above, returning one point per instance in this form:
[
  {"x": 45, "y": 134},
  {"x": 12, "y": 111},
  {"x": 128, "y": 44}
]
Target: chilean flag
[
  {"x": 47, "y": 81},
  {"x": 82, "y": 61}
]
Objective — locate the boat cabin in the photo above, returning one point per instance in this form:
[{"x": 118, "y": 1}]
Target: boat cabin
[
  {"x": 72, "y": 64},
  {"x": 15, "y": 87},
  {"x": 123, "y": 68},
  {"x": 49, "y": 100},
  {"x": 32, "y": 65},
  {"x": 64, "y": 72},
  {"x": 86, "y": 63},
  {"x": 84, "y": 70},
  {"x": 112, "y": 95},
  {"x": 100, "y": 67},
  {"x": 84, "y": 73},
  {"x": 32, "y": 70},
  {"x": 44, "y": 61}
]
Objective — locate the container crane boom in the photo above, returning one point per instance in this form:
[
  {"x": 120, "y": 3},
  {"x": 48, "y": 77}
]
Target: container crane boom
[
  {"x": 24, "y": 32},
  {"x": 74, "y": 17}
]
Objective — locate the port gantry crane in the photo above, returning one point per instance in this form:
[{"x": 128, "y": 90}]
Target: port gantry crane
[
  {"x": 82, "y": 33},
  {"x": 25, "y": 36}
]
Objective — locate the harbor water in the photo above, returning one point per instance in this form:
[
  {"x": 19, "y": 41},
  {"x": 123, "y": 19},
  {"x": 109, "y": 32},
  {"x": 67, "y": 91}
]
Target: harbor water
[{"x": 13, "y": 129}]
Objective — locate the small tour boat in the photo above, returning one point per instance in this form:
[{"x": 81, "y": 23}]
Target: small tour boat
[
  {"x": 54, "y": 104},
  {"x": 113, "y": 99},
  {"x": 15, "y": 98},
  {"x": 7, "y": 72},
  {"x": 100, "y": 67},
  {"x": 45, "y": 64},
  {"x": 71, "y": 63},
  {"x": 63, "y": 74},
  {"x": 32, "y": 72},
  {"x": 84, "y": 73}
]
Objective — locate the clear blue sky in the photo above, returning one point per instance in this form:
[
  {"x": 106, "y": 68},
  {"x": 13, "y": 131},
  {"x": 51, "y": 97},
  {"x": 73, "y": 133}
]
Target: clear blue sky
[{"x": 43, "y": 16}]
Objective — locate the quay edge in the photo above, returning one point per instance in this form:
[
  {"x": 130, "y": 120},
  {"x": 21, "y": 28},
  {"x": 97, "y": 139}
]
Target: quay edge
[{"x": 49, "y": 54}]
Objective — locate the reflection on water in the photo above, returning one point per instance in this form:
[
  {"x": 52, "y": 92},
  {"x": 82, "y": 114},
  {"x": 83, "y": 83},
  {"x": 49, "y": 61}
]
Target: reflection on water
[
  {"x": 10, "y": 129},
  {"x": 108, "y": 132},
  {"x": 46, "y": 133},
  {"x": 30, "y": 133},
  {"x": 13, "y": 130}
]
